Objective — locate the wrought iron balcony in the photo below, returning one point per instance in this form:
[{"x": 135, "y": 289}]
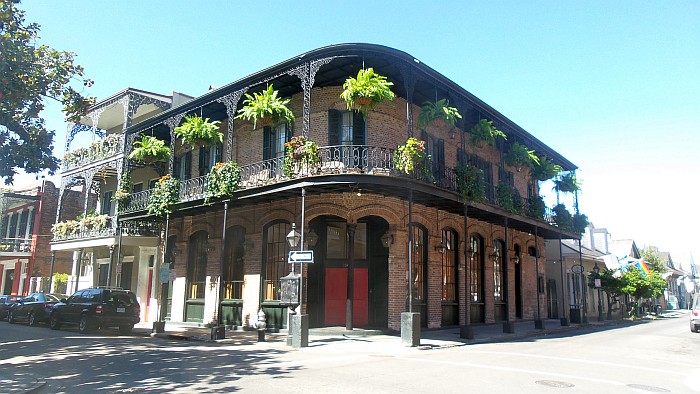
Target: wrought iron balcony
[
  {"x": 108, "y": 147},
  {"x": 16, "y": 245},
  {"x": 340, "y": 159},
  {"x": 143, "y": 228}
]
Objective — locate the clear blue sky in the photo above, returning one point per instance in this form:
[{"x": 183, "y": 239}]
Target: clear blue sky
[{"x": 612, "y": 85}]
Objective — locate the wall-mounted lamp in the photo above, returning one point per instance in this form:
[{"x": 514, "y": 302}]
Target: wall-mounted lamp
[
  {"x": 293, "y": 237},
  {"x": 452, "y": 133},
  {"x": 516, "y": 259},
  {"x": 312, "y": 238},
  {"x": 441, "y": 247},
  {"x": 387, "y": 239}
]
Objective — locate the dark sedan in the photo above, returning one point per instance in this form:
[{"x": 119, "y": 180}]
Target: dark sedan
[
  {"x": 33, "y": 309},
  {"x": 6, "y": 302}
]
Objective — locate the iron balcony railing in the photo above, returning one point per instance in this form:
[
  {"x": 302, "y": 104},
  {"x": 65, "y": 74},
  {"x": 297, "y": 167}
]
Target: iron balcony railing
[
  {"x": 105, "y": 148},
  {"x": 143, "y": 228},
  {"x": 16, "y": 245},
  {"x": 338, "y": 159}
]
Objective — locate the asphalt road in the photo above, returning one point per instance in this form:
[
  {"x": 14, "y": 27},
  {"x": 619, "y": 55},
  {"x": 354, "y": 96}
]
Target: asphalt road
[{"x": 656, "y": 356}]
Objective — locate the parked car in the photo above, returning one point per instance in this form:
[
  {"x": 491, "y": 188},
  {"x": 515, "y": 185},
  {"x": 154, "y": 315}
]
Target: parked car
[
  {"x": 6, "y": 302},
  {"x": 33, "y": 309},
  {"x": 695, "y": 313},
  {"x": 96, "y": 308}
]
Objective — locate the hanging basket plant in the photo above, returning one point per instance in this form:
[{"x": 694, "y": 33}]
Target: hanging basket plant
[
  {"x": 567, "y": 183},
  {"x": 410, "y": 155},
  {"x": 149, "y": 150},
  {"x": 123, "y": 195},
  {"x": 545, "y": 169},
  {"x": 165, "y": 194},
  {"x": 223, "y": 180},
  {"x": 439, "y": 110},
  {"x": 196, "y": 131},
  {"x": 485, "y": 131},
  {"x": 366, "y": 91},
  {"x": 519, "y": 154},
  {"x": 301, "y": 155},
  {"x": 470, "y": 182},
  {"x": 562, "y": 217},
  {"x": 266, "y": 108},
  {"x": 579, "y": 222},
  {"x": 509, "y": 198},
  {"x": 535, "y": 207}
]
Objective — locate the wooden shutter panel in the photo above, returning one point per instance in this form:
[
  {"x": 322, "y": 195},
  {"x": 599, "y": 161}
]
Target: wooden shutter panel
[
  {"x": 267, "y": 143},
  {"x": 188, "y": 165},
  {"x": 176, "y": 167},
  {"x": 203, "y": 156},
  {"x": 440, "y": 153},
  {"x": 358, "y": 128},
  {"x": 333, "y": 127}
]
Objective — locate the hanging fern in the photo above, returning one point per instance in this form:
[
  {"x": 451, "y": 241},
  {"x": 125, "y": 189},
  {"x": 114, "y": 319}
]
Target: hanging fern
[
  {"x": 485, "y": 131},
  {"x": 520, "y": 154},
  {"x": 267, "y": 107},
  {"x": 366, "y": 91},
  {"x": 440, "y": 109},
  {"x": 196, "y": 131},
  {"x": 545, "y": 169}
]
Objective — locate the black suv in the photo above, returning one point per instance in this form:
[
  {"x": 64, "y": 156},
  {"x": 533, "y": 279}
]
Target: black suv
[{"x": 97, "y": 308}]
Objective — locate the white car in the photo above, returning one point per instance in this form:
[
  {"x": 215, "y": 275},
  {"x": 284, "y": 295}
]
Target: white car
[{"x": 695, "y": 314}]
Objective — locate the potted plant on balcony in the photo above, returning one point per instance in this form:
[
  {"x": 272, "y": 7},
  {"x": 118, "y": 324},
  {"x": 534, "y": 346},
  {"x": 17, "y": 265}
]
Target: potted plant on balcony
[
  {"x": 519, "y": 154},
  {"x": 266, "y": 107},
  {"x": 196, "y": 131},
  {"x": 562, "y": 217},
  {"x": 223, "y": 180},
  {"x": 470, "y": 182},
  {"x": 65, "y": 228},
  {"x": 366, "y": 91},
  {"x": 485, "y": 131},
  {"x": 122, "y": 195},
  {"x": 567, "y": 183},
  {"x": 579, "y": 222},
  {"x": 535, "y": 207},
  {"x": 439, "y": 110},
  {"x": 410, "y": 155},
  {"x": 150, "y": 150},
  {"x": 545, "y": 169},
  {"x": 301, "y": 156},
  {"x": 164, "y": 195},
  {"x": 509, "y": 198}
]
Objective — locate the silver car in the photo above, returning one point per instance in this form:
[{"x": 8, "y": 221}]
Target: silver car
[{"x": 695, "y": 313}]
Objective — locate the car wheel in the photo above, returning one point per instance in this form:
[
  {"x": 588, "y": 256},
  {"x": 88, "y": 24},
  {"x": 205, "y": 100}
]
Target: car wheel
[
  {"x": 693, "y": 328},
  {"x": 84, "y": 325},
  {"x": 54, "y": 322},
  {"x": 31, "y": 320},
  {"x": 126, "y": 329},
  {"x": 11, "y": 317}
]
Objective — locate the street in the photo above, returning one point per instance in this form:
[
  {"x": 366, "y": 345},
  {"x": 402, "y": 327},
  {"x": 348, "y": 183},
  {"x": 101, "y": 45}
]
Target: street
[{"x": 654, "y": 356}]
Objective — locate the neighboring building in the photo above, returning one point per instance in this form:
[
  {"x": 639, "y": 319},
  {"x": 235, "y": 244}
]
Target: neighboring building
[
  {"x": 673, "y": 276},
  {"x": 365, "y": 220},
  {"x": 25, "y": 232}
]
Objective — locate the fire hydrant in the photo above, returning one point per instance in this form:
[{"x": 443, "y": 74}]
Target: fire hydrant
[{"x": 261, "y": 325}]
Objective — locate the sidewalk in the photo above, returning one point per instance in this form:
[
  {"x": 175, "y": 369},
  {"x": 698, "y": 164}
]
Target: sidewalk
[{"x": 358, "y": 340}]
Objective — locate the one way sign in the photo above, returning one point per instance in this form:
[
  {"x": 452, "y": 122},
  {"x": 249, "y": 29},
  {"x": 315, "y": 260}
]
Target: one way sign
[{"x": 301, "y": 256}]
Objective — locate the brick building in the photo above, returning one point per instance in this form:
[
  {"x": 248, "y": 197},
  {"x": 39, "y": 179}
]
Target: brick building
[
  {"x": 472, "y": 260},
  {"x": 27, "y": 215}
]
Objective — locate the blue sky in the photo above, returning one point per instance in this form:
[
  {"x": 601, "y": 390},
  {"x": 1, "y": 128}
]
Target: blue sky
[{"x": 613, "y": 86}]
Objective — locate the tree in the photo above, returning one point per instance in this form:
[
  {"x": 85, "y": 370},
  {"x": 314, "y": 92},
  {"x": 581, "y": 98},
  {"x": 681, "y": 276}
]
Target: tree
[
  {"x": 641, "y": 286},
  {"x": 652, "y": 259},
  {"x": 30, "y": 74},
  {"x": 611, "y": 283}
]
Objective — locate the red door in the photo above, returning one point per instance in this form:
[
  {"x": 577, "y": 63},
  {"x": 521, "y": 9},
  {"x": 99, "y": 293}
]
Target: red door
[{"x": 336, "y": 297}]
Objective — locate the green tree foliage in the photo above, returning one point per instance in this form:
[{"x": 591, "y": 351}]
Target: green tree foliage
[
  {"x": 653, "y": 261},
  {"x": 611, "y": 283},
  {"x": 29, "y": 74}
]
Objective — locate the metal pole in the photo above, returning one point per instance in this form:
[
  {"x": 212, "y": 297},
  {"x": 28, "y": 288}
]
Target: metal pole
[
  {"x": 222, "y": 267},
  {"x": 78, "y": 268},
  {"x": 301, "y": 266},
  {"x": 537, "y": 269},
  {"x": 584, "y": 319},
  {"x": 53, "y": 263},
  {"x": 410, "y": 250},
  {"x": 564, "y": 320},
  {"x": 600, "y": 305},
  {"x": 163, "y": 297},
  {"x": 467, "y": 332}
]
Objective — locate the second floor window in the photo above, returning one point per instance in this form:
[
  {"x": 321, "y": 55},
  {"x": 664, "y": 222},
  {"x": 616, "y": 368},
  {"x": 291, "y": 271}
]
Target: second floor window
[
  {"x": 345, "y": 128},
  {"x": 208, "y": 156},
  {"x": 274, "y": 138},
  {"x": 107, "y": 203},
  {"x": 183, "y": 166}
]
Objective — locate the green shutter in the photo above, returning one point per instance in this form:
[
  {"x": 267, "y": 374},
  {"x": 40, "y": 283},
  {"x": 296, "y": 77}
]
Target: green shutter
[
  {"x": 267, "y": 143},
  {"x": 440, "y": 153},
  {"x": 188, "y": 165},
  {"x": 333, "y": 127},
  {"x": 358, "y": 128},
  {"x": 203, "y": 156}
]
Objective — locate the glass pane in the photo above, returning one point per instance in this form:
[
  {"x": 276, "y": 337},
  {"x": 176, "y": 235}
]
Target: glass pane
[
  {"x": 336, "y": 241},
  {"x": 346, "y": 128},
  {"x": 361, "y": 241}
]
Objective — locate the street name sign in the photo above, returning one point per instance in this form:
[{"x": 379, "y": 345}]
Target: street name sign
[{"x": 301, "y": 256}]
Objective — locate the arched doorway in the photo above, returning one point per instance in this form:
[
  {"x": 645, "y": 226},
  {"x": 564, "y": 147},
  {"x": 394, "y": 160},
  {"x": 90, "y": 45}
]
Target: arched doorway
[
  {"x": 196, "y": 277},
  {"x": 232, "y": 305},
  {"x": 329, "y": 277},
  {"x": 476, "y": 276}
]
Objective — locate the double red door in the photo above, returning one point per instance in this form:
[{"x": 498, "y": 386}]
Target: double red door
[{"x": 336, "y": 285}]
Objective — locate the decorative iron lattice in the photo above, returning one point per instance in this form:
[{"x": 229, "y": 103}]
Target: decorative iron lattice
[
  {"x": 231, "y": 102},
  {"x": 66, "y": 183},
  {"x": 76, "y": 128},
  {"x": 172, "y": 122},
  {"x": 135, "y": 101}
]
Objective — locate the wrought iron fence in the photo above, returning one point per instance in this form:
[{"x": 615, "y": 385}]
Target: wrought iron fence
[
  {"x": 233, "y": 290},
  {"x": 138, "y": 201},
  {"x": 193, "y": 188},
  {"x": 110, "y": 146},
  {"x": 93, "y": 231},
  {"x": 144, "y": 228},
  {"x": 16, "y": 245}
]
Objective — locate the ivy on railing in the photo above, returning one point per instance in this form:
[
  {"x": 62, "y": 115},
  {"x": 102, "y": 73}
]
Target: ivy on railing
[{"x": 109, "y": 146}]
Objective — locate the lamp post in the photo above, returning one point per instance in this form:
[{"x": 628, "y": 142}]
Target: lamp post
[{"x": 598, "y": 284}]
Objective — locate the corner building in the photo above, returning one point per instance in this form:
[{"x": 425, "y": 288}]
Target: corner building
[{"x": 471, "y": 262}]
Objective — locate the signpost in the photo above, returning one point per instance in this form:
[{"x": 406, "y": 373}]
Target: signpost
[{"x": 301, "y": 257}]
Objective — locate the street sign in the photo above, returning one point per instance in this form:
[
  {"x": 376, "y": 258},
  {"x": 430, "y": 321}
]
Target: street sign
[
  {"x": 301, "y": 256},
  {"x": 577, "y": 269},
  {"x": 164, "y": 273}
]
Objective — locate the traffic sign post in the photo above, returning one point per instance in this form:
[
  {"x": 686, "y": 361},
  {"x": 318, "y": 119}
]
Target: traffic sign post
[{"x": 301, "y": 257}]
